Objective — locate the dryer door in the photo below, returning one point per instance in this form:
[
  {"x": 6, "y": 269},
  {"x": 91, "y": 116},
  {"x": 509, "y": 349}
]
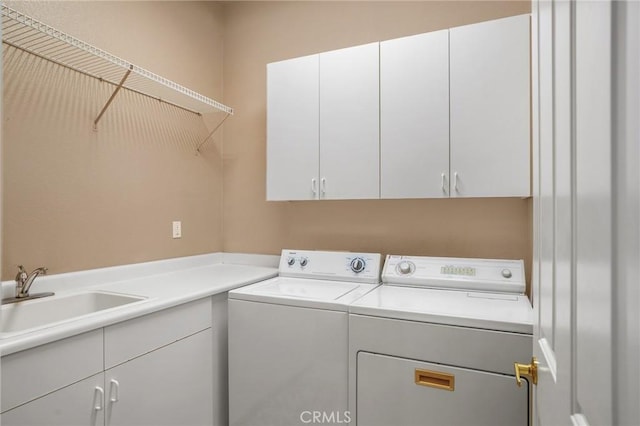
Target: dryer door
[{"x": 398, "y": 391}]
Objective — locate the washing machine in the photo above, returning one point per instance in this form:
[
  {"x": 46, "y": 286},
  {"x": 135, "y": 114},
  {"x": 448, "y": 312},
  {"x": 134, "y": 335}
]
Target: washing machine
[
  {"x": 288, "y": 339},
  {"x": 436, "y": 343}
]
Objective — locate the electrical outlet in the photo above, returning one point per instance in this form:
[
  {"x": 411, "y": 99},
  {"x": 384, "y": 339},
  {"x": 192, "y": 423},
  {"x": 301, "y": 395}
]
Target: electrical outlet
[{"x": 177, "y": 229}]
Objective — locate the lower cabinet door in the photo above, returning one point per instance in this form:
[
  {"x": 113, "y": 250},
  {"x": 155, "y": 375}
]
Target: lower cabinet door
[
  {"x": 169, "y": 386},
  {"x": 79, "y": 404},
  {"x": 402, "y": 392}
]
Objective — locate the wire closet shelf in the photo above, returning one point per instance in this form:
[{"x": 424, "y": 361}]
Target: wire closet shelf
[{"x": 37, "y": 38}]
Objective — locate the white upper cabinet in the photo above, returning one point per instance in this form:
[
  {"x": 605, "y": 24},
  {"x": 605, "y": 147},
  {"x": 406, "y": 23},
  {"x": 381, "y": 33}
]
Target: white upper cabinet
[
  {"x": 414, "y": 116},
  {"x": 292, "y": 129},
  {"x": 490, "y": 108},
  {"x": 349, "y": 123},
  {"x": 435, "y": 115}
]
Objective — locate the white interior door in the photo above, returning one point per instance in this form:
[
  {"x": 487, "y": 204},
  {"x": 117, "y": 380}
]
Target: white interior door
[
  {"x": 593, "y": 340},
  {"x": 553, "y": 211},
  {"x": 572, "y": 275},
  {"x": 626, "y": 178}
]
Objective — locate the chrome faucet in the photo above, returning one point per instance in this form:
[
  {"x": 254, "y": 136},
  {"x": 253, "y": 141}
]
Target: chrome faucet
[
  {"x": 24, "y": 281},
  {"x": 23, "y": 284}
]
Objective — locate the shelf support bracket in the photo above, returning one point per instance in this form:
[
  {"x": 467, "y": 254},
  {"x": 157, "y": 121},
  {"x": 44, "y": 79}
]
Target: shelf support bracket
[
  {"x": 211, "y": 134},
  {"x": 113, "y": 95}
]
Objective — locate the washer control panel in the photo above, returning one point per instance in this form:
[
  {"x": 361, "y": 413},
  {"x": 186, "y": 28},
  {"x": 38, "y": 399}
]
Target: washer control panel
[
  {"x": 455, "y": 273},
  {"x": 332, "y": 265}
]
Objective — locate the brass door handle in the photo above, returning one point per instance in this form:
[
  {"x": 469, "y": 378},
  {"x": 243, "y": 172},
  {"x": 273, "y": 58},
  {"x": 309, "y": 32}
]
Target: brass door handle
[{"x": 527, "y": 370}]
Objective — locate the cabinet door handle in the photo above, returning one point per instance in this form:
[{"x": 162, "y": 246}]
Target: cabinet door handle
[
  {"x": 98, "y": 397},
  {"x": 323, "y": 187},
  {"x": 114, "y": 390},
  {"x": 455, "y": 181},
  {"x": 314, "y": 189},
  {"x": 442, "y": 183}
]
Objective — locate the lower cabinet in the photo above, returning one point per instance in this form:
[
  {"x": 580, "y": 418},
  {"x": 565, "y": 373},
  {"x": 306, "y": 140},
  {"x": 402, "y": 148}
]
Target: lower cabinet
[
  {"x": 164, "y": 378},
  {"x": 170, "y": 386},
  {"x": 81, "y": 403}
]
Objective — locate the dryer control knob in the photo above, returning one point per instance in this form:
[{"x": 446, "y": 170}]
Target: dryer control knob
[
  {"x": 304, "y": 261},
  {"x": 506, "y": 273},
  {"x": 291, "y": 261},
  {"x": 358, "y": 264},
  {"x": 404, "y": 268}
]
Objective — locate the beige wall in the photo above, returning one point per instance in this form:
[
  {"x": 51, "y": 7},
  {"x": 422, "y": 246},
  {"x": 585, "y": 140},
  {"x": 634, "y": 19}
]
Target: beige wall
[
  {"x": 257, "y": 33},
  {"x": 77, "y": 199}
]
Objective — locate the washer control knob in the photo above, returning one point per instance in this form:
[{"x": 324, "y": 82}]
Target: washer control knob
[
  {"x": 507, "y": 273},
  {"x": 404, "y": 267},
  {"x": 304, "y": 261},
  {"x": 358, "y": 264},
  {"x": 291, "y": 261}
]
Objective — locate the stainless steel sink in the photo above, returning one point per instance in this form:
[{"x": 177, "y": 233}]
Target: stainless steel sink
[{"x": 46, "y": 312}]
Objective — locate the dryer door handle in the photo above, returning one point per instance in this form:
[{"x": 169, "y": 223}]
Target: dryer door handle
[{"x": 435, "y": 379}]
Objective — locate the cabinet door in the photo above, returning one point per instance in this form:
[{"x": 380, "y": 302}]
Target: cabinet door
[
  {"x": 169, "y": 386},
  {"x": 80, "y": 404},
  {"x": 292, "y": 129},
  {"x": 36, "y": 372},
  {"x": 403, "y": 392},
  {"x": 490, "y": 108},
  {"x": 349, "y": 123},
  {"x": 414, "y": 116},
  {"x": 130, "y": 339}
]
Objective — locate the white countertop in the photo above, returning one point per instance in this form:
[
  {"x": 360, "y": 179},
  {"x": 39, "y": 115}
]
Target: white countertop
[{"x": 163, "y": 283}]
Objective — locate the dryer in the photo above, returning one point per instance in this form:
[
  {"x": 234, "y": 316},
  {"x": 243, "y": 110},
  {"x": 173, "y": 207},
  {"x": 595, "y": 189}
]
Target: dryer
[
  {"x": 288, "y": 339},
  {"x": 436, "y": 343}
]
